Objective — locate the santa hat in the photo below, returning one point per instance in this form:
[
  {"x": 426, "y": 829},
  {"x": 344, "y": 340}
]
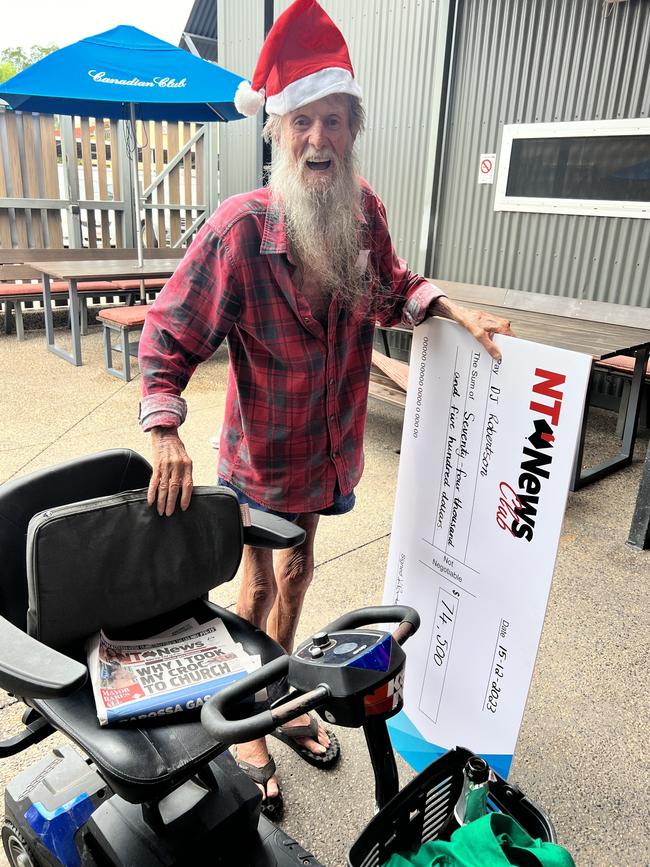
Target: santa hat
[{"x": 304, "y": 58}]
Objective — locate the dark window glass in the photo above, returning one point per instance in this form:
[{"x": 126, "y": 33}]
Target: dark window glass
[{"x": 616, "y": 168}]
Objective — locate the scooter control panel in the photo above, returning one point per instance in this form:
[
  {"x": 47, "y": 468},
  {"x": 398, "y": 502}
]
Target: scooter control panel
[{"x": 359, "y": 649}]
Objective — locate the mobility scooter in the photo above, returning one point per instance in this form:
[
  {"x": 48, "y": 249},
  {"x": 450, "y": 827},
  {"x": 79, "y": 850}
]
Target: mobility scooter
[{"x": 81, "y": 550}]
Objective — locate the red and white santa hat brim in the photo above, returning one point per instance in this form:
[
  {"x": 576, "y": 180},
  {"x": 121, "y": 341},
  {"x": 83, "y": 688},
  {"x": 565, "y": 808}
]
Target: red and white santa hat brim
[{"x": 304, "y": 58}]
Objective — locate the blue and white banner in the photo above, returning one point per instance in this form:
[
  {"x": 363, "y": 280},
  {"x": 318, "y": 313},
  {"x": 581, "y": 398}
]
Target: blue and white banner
[{"x": 486, "y": 460}]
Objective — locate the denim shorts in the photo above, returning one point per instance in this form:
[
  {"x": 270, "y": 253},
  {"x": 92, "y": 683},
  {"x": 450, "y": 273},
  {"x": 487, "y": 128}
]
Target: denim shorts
[{"x": 340, "y": 506}]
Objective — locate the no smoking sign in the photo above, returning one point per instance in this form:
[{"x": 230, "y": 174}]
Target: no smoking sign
[{"x": 486, "y": 168}]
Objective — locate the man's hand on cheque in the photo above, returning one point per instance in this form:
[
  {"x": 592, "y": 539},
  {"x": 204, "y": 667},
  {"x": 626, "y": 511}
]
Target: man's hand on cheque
[
  {"x": 172, "y": 471},
  {"x": 480, "y": 324}
]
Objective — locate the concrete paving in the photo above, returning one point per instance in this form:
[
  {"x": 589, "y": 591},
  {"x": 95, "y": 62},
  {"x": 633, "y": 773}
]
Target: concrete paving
[{"x": 582, "y": 753}]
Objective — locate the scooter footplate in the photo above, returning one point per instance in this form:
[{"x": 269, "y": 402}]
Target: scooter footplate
[{"x": 283, "y": 850}]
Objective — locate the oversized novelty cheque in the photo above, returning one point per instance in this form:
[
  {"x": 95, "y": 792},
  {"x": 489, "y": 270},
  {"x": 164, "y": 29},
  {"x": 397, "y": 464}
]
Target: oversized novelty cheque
[
  {"x": 174, "y": 671},
  {"x": 486, "y": 458}
]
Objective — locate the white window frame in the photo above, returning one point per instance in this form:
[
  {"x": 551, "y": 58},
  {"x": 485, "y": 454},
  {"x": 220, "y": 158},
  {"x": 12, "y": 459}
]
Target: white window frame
[{"x": 593, "y": 207}]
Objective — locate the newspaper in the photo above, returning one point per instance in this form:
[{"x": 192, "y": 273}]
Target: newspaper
[{"x": 176, "y": 670}]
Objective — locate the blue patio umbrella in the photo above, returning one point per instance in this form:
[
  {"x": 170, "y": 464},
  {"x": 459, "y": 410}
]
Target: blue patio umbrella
[{"x": 126, "y": 74}]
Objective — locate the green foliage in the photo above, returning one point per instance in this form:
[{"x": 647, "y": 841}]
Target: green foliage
[
  {"x": 12, "y": 60},
  {"x": 6, "y": 70}
]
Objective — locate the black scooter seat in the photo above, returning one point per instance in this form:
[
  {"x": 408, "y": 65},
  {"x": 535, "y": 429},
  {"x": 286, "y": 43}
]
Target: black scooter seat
[{"x": 139, "y": 761}]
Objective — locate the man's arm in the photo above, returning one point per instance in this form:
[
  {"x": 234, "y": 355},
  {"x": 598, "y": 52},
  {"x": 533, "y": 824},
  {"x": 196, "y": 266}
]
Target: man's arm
[
  {"x": 187, "y": 322},
  {"x": 480, "y": 324},
  {"x": 414, "y": 298}
]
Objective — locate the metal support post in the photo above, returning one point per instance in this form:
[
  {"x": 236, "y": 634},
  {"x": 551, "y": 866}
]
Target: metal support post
[
  {"x": 127, "y": 187},
  {"x": 382, "y": 759},
  {"x": 69, "y": 156},
  {"x": 135, "y": 174},
  {"x": 211, "y": 148}
]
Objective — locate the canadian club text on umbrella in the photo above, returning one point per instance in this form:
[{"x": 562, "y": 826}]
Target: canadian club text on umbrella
[{"x": 126, "y": 74}]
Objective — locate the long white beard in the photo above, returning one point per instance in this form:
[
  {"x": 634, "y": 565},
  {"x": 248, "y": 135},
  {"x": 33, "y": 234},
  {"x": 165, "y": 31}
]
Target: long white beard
[{"x": 322, "y": 221}]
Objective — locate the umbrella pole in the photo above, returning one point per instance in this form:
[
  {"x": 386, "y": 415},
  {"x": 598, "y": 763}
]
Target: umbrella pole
[{"x": 136, "y": 184}]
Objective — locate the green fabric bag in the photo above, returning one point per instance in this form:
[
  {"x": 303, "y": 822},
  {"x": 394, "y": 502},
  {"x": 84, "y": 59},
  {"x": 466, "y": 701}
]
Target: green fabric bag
[{"x": 494, "y": 840}]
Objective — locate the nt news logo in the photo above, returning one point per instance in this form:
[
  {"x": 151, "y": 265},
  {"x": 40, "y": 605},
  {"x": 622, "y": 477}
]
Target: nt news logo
[{"x": 518, "y": 508}]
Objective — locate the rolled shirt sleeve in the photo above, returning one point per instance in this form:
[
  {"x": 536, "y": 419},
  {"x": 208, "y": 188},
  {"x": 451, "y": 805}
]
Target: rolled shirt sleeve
[
  {"x": 162, "y": 410},
  {"x": 186, "y": 324}
]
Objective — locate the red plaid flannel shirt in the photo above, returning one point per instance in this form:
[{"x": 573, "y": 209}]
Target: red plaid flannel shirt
[{"x": 296, "y": 398}]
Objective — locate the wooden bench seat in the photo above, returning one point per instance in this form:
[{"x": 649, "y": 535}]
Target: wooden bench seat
[
  {"x": 382, "y": 388},
  {"x": 15, "y": 295},
  {"x": 121, "y": 321},
  {"x": 621, "y": 364},
  {"x": 35, "y": 290},
  {"x": 149, "y": 283},
  {"x": 388, "y": 379}
]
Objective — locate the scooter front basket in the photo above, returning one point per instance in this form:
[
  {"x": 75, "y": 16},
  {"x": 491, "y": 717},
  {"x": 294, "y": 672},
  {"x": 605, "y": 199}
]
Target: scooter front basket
[{"x": 418, "y": 812}]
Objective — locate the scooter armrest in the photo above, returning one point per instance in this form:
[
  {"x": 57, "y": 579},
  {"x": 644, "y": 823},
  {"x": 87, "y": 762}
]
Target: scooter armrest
[
  {"x": 271, "y": 531},
  {"x": 30, "y": 669}
]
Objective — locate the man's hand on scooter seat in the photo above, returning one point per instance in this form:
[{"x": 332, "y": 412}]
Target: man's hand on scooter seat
[{"x": 172, "y": 471}]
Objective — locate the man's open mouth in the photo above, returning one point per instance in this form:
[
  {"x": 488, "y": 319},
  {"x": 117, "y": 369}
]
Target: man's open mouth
[{"x": 318, "y": 165}]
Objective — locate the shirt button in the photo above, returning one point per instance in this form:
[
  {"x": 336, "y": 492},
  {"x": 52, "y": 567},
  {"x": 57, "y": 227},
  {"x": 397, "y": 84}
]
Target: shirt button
[
  {"x": 335, "y": 454},
  {"x": 331, "y": 382},
  {"x": 331, "y": 418},
  {"x": 307, "y": 319}
]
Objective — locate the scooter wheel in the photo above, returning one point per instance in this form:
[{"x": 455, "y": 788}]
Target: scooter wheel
[{"x": 16, "y": 849}]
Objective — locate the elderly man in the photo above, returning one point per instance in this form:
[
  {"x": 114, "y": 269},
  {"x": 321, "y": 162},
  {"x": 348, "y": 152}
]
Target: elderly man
[{"x": 295, "y": 275}]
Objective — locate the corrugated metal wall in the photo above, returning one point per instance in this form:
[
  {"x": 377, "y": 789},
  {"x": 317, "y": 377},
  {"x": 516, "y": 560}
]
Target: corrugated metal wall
[
  {"x": 526, "y": 61},
  {"x": 397, "y": 51},
  {"x": 241, "y": 34},
  {"x": 201, "y": 26}
]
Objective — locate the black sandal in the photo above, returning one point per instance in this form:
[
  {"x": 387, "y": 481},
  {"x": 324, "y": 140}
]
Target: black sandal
[
  {"x": 290, "y": 735},
  {"x": 272, "y": 808}
]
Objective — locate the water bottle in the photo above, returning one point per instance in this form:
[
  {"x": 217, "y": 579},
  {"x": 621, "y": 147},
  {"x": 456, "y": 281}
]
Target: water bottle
[{"x": 472, "y": 803}]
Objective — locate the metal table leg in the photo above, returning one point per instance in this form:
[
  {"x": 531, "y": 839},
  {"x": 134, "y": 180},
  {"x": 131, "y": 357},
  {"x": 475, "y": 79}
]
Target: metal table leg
[
  {"x": 640, "y": 528},
  {"x": 73, "y": 357},
  {"x": 75, "y": 322},
  {"x": 576, "y": 474},
  {"x": 49, "y": 319},
  {"x": 624, "y": 457}
]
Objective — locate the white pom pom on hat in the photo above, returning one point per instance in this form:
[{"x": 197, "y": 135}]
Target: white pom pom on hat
[
  {"x": 304, "y": 58},
  {"x": 248, "y": 101}
]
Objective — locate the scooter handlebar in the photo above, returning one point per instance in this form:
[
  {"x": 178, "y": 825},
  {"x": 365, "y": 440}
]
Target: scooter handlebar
[
  {"x": 408, "y": 619},
  {"x": 214, "y": 715},
  {"x": 229, "y": 731}
]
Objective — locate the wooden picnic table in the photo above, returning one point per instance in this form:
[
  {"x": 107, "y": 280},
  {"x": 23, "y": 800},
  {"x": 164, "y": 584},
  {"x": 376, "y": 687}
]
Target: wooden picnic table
[
  {"x": 74, "y": 272},
  {"x": 600, "y": 340},
  {"x": 595, "y": 328}
]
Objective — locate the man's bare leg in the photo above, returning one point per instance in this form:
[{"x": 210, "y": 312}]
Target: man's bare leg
[
  {"x": 256, "y": 597},
  {"x": 274, "y": 605},
  {"x": 294, "y": 570},
  {"x": 258, "y": 588}
]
